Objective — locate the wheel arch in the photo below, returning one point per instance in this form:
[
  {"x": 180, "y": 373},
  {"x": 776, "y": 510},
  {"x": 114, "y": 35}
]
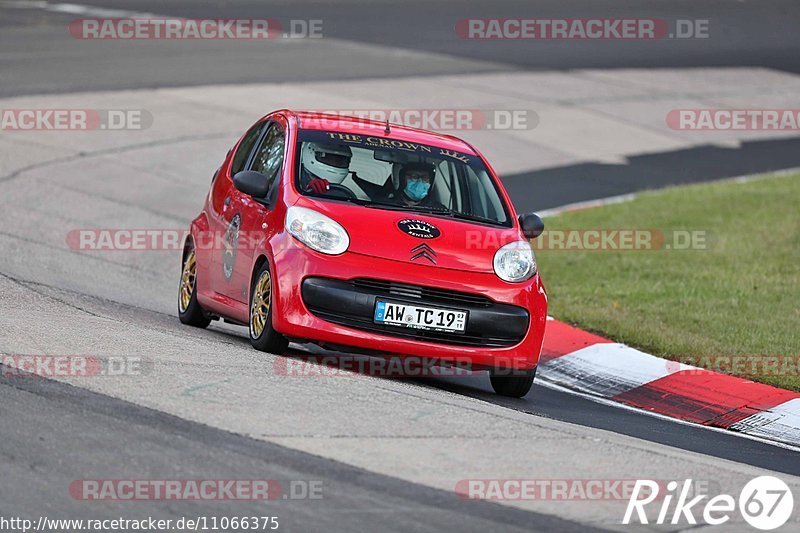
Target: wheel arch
[
  {"x": 188, "y": 244},
  {"x": 257, "y": 264}
]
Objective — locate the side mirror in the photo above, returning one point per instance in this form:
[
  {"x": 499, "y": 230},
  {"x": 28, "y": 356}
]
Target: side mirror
[
  {"x": 253, "y": 183},
  {"x": 532, "y": 225}
]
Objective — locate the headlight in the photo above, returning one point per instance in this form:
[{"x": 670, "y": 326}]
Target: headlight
[
  {"x": 515, "y": 262},
  {"x": 317, "y": 231}
]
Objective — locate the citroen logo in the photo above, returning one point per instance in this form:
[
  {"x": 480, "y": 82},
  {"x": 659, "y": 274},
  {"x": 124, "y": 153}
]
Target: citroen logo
[{"x": 423, "y": 250}]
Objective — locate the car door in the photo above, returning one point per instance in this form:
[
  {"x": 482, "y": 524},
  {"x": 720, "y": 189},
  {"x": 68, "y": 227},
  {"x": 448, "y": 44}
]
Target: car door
[
  {"x": 250, "y": 217},
  {"x": 223, "y": 225}
]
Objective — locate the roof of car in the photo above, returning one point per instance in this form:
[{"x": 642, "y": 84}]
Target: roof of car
[{"x": 312, "y": 120}]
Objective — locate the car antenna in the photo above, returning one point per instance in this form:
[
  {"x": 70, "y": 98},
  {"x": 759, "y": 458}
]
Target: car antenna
[{"x": 387, "y": 130}]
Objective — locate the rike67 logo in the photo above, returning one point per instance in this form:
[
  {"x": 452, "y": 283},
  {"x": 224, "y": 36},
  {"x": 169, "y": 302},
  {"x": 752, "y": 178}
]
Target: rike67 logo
[{"x": 765, "y": 503}]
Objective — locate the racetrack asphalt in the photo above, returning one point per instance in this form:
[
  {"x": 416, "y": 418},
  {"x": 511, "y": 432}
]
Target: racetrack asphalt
[{"x": 389, "y": 452}]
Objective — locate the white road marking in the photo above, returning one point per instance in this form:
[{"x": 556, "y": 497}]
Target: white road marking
[
  {"x": 781, "y": 421},
  {"x": 578, "y": 206},
  {"x": 609, "y": 369},
  {"x": 611, "y": 403},
  {"x": 622, "y": 198},
  {"x": 78, "y": 9}
]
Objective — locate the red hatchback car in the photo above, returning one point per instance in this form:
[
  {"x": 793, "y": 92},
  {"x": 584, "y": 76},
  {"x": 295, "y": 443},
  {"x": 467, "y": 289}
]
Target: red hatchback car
[{"x": 365, "y": 236}]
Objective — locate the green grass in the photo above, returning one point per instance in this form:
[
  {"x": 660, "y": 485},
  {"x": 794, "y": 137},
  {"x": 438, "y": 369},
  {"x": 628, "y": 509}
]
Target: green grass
[{"x": 740, "y": 296}]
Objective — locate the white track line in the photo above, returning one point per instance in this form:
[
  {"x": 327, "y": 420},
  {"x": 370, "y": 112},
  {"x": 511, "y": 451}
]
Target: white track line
[
  {"x": 610, "y": 200},
  {"x": 611, "y": 403},
  {"x": 77, "y": 9},
  {"x": 577, "y": 206}
]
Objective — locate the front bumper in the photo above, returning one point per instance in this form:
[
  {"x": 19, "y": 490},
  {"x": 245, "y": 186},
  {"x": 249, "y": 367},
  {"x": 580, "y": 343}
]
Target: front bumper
[
  {"x": 352, "y": 303},
  {"x": 324, "y": 299}
]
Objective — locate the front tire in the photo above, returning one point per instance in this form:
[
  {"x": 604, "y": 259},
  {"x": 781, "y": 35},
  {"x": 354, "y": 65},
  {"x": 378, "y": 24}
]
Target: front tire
[
  {"x": 262, "y": 335},
  {"x": 513, "y": 386},
  {"x": 189, "y": 310}
]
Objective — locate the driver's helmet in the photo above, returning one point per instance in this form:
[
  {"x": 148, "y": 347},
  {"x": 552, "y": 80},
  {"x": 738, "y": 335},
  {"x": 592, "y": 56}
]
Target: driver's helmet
[{"x": 327, "y": 161}]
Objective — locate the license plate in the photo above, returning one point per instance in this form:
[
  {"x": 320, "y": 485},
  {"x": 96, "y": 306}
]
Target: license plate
[{"x": 420, "y": 317}]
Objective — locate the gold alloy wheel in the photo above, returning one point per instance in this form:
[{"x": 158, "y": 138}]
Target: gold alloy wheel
[
  {"x": 259, "y": 310},
  {"x": 188, "y": 278}
]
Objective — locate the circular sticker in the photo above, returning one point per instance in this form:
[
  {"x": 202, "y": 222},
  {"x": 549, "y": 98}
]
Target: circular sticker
[
  {"x": 418, "y": 228},
  {"x": 230, "y": 242}
]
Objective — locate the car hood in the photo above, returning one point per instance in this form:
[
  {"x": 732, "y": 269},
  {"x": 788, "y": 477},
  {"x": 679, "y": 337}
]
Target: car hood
[{"x": 418, "y": 238}]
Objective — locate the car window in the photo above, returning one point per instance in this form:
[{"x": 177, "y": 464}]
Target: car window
[
  {"x": 366, "y": 167},
  {"x": 482, "y": 204},
  {"x": 444, "y": 185},
  {"x": 268, "y": 158},
  {"x": 458, "y": 184},
  {"x": 245, "y": 147}
]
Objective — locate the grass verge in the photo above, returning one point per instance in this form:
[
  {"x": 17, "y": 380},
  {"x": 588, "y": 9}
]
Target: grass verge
[{"x": 732, "y": 305}]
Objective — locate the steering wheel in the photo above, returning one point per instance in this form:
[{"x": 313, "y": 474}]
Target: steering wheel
[{"x": 341, "y": 190}]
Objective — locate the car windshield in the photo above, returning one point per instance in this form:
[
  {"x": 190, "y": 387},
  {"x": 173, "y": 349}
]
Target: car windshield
[{"x": 385, "y": 173}]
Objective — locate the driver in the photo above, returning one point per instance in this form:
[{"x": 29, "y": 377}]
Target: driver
[
  {"x": 416, "y": 180},
  {"x": 322, "y": 164}
]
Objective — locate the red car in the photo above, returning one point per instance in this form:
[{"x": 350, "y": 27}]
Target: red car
[{"x": 360, "y": 235}]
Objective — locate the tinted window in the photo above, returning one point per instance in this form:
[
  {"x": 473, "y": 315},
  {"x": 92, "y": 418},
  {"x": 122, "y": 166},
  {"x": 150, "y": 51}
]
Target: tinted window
[
  {"x": 453, "y": 183},
  {"x": 245, "y": 147},
  {"x": 268, "y": 159}
]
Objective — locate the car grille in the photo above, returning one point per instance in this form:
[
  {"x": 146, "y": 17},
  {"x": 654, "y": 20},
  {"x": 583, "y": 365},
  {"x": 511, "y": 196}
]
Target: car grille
[
  {"x": 351, "y": 303},
  {"x": 441, "y": 296}
]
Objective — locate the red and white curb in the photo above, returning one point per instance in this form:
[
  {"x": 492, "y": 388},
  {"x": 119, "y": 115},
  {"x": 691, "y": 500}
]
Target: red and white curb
[{"x": 580, "y": 361}]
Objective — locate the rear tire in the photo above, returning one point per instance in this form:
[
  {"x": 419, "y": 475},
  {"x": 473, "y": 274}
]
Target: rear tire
[
  {"x": 513, "y": 386},
  {"x": 263, "y": 336},
  {"x": 189, "y": 310}
]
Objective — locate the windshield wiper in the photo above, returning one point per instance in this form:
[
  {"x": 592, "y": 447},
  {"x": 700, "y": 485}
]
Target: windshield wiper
[
  {"x": 357, "y": 201},
  {"x": 418, "y": 208},
  {"x": 442, "y": 211},
  {"x": 392, "y": 207},
  {"x": 475, "y": 218}
]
